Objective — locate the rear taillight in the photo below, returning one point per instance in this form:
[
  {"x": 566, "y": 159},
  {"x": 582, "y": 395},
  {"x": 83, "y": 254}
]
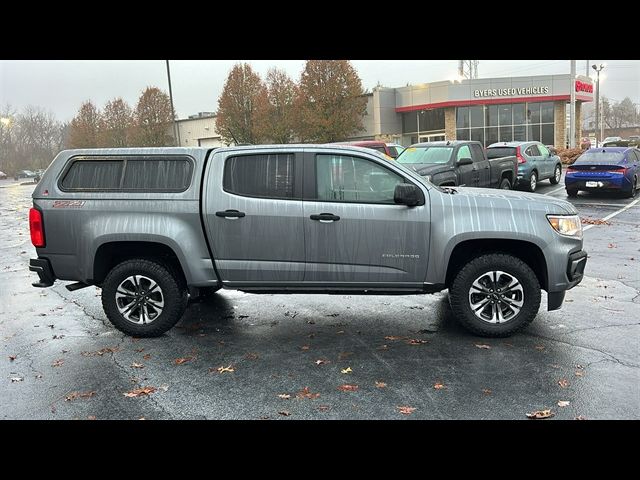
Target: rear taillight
[
  {"x": 571, "y": 169},
  {"x": 36, "y": 227},
  {"x": 519, "y": 156}
]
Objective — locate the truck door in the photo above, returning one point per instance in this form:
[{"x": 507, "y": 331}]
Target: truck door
[
  {"x": 467, "y": 174},
  {"x": 482, "y": 164},
  {"x": 252, "y": 209},
  {"x": 355, "y": 235}
]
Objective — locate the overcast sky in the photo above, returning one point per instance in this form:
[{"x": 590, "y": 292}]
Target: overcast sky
[{"x": 61, "y": 86}]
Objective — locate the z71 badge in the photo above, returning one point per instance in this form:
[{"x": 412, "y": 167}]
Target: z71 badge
[{"x": 68, "y": 204}]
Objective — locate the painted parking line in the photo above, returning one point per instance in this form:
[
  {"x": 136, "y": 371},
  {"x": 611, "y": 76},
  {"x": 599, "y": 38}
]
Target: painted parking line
[
  {"x": 611, "y": 215},
  {"x": 554, "y": 191}
]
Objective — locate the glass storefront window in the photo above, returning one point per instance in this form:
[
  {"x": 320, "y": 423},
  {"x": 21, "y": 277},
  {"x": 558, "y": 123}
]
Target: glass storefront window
[
  {"x": 462, "y": 134},
  {"x": 504, "y": 113},
  {"x": 491, "y": 115},
  {"x": 477, "y": 116},
  {"x": 491, "y": 135},
  {"x": 547, "y": 134},
  {"x": 546, "y": 112},
  {"x": 518, "y": 114},
  {"x": 477, "y": 134},
  {"x": 505, "y": 134},
  {"x": 533, "y": 112},
  {"x": 519, "y": 133},
  {"x": 462, "y": 117}
]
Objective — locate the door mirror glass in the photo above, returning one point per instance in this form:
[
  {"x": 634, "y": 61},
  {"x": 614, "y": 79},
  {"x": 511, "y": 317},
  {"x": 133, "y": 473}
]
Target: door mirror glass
[
  {"x": 407, "y": 194},
  {"x": 464, "y": 161}
]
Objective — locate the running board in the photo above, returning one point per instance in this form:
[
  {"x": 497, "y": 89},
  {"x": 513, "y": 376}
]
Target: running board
[{"x": 76, "y": 286}]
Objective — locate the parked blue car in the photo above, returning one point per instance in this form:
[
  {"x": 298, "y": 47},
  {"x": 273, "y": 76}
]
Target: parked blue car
[
  {"x": 605, "y": 169},
  {"x": 535, "y": 162}
]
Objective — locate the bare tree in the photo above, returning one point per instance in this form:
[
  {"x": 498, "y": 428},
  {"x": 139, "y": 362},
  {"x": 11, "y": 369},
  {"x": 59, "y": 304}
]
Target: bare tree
[
  {"x": 116, "y": 124},
  {"x": 152, "y": 119},
  {"x": 7, "y": 138},
  {"x": 83, "y": 130},
  {"x": 275, "y": 120},
  {"x": 238, "y": 105},
  {"x": 38, "y": 137}
]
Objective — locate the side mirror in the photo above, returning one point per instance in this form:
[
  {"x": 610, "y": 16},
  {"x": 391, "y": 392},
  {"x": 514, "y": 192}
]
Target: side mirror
[
  {"x": 407, "y": 194},
  {"x": 464, "y": 161}
]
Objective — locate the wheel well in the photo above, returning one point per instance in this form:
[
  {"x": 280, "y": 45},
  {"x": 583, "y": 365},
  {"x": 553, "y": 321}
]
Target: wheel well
[
  {"x": 508, "y": 176},
  {"x": 111, "y": 254},
  {"x": 447, "y": 184},
  {"x": 528, "y": 252}
]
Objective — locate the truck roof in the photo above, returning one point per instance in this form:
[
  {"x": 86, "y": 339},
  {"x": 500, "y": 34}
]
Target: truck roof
[{"x": 444, "y": 143}]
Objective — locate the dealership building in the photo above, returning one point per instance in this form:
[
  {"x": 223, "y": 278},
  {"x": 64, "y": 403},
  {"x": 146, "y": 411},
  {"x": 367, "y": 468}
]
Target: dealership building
[{"x": 485, "y": 109}]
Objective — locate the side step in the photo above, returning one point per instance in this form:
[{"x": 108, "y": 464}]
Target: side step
[{"x": 76, "y": 286}]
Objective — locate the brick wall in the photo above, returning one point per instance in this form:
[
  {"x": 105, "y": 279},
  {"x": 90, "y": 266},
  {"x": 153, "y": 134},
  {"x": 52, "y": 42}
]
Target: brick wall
[
  {"x": 450, "y": 123},
  {"x": 560, "y": 118}
]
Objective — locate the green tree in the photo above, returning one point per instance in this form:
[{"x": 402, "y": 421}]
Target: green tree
[
  {"x": 330, "y": 104},
  {"x": 275, "y": 115},
  {"x": 83, "y": 129},
  {"x": 153, "y": 118},
  {"x": 116, "y": 124},
  {"x": 238, "y": 105}
]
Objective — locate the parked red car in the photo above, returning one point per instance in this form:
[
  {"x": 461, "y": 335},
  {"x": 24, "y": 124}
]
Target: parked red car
[{"x": 390, "y": 149}]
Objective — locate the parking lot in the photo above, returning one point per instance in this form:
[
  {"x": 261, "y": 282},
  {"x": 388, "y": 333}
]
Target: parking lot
[{"x": 243, "y": 356}]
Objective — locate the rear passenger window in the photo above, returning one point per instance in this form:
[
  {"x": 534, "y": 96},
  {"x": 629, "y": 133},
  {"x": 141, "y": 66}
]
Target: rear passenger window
[
  {"x": 268, "y": 176},
  {"x": 129, "y": 174}
]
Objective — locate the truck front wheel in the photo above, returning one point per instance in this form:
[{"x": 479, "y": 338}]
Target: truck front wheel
[
  {"x": 495, "y": 295},
  {"x": 143, "y": 298}
]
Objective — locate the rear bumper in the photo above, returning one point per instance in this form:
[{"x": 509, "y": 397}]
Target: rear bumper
[
  {"x": 42, "y": 267},
  {"x": 603, "y": 183}
]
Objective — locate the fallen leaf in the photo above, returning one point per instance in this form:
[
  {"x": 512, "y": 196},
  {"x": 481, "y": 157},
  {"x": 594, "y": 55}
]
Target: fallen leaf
[
  {"x": 439, "y": 386},
  {"x": 65, "y": 351},
  {"x": 57, "y": 363},
  {"x": 612, "y": 245},
  {"x": 393, "y": 337},
  {"x": 541, "y": 414},
  {"x": 593, "y": 221},
  {"x": 339, "y": 332},
  {"x": 139, "y": 392},
  {"x": 139, "y": 350},
  {"x": 332, "y": 315},
  {"x": 305, "y": 347},
  {"x": 147, "y": 356},
  {"x": 321, "y": 362},
  {"x": 74, "y": 395},
  {"x": 383, "y": 347},
  {"x": 284, "y": 413},
  {"x": 306, "y": 393},
  {"x": 405, "y": 410},
  {"x": 58, "y": 337},
  {"x": 580, "y": 417},
  {"x": 16, "y": 379},
  {"x": 100, "y": 352},
  {"x": 311, "y": 322},
  {"x": 39, "y": 375},
  {"x": 284, "y": 396},
  {"x": 343, "y": 355},
  {"x": 251, "y": 356},
  {"x": 12, "y": 357},
  {"x": 578, "y": 366},
  {"x": 563, "y": 403},
  {"x": 346, "y": 370},
  {"x": 416, "y": 307},
  {"x": 164, "y": 388},
  {"x": 579, "y": 373},
  {"x": 137, "y": 365},
  {"x": 416, "y": 341},
  {"x": 482, "y": 345},
  {"x": 91, "y": 417},
  {"x": 348, "y": 388},
  {"x": 242, "y": 316},
  {"x": 563, "y": 382},
  {"x": 180, "y": 361},
  {"x": 539, "y": 347},
  {"x": 380, "y": 384},
  {"x": 323, "y": 408},
  {"x": 487, "y": 391},
  {"x": 228, "y": 369}
]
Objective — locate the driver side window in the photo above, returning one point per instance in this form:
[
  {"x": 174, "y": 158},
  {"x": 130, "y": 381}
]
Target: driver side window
[
  {"x": 463, "y": 152},
  {"x": 349, "y": 179}
]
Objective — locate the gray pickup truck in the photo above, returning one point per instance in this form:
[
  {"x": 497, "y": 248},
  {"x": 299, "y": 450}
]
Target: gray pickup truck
[
  {"x": 154, "y": 226},
  {"x": 460, "y": 162}
]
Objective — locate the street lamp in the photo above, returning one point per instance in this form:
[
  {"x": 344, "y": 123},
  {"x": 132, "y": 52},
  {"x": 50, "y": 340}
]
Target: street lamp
[{"x": 598, "y": 69}]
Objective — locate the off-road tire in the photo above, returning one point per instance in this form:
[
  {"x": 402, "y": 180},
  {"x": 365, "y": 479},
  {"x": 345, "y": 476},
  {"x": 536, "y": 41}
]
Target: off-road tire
[
  {"x": 460, "y": 287},
  {"x": 505, "y": 184},
  {"x": 174, "y": 293}
]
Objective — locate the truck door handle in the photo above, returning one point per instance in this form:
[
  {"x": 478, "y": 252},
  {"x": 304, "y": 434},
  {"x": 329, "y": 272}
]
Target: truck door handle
[
  {"x": 487, "y": 167},
  {"x": 325, "y": 217},
  {"x": 230, "y": 214}
]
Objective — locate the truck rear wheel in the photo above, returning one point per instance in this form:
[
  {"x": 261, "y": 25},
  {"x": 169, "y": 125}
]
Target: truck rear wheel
[
  {"x": 143, "y": 298},
  {"x": 505, "y": 184},
  {"x": 495, "y": 295}
]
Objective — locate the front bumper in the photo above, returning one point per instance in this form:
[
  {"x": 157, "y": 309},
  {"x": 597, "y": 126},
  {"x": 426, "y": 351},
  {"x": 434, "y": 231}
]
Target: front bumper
[
  {"x": 576, "y": 263},
  {"x": 42, "y": 267}
]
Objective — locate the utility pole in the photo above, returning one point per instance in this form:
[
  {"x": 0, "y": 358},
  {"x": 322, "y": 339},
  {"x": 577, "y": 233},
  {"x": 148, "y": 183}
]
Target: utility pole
[
  {"x": 586, "y": 69},
  {"x": 572, "y": 107},
  {"x": 598, "y": 68},
  {"x": 176, "y": 130},
  {"x": 468, "y": 68}
]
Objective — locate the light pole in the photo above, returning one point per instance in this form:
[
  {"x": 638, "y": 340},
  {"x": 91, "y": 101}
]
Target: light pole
[
  {"x": 176, "y": 129},
  {"x": 418, "y": 113},
  {"x": 598, "y": 69}
]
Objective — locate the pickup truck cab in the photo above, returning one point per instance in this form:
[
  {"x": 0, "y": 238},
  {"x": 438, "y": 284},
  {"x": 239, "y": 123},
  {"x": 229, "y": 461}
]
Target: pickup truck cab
[
  {"x": 152, "y": 226},
  {"x": 464, "y": 163}
]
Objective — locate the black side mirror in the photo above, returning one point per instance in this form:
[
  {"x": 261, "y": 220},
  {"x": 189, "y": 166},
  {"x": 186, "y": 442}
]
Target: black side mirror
[
  {"x": 464, "y": 161},
  {"x": 407, "y": 194}
]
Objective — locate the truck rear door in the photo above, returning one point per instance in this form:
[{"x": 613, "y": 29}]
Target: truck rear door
[
  {"x": 252, "y": 209},
  {"x": 482, "y": 164}
]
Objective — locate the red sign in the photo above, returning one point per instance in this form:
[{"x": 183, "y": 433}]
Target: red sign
[{"x": 584, "y": 87}]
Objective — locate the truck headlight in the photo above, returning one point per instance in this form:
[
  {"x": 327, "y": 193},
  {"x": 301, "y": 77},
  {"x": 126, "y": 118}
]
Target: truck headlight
[{"x": 569, "y": 225}]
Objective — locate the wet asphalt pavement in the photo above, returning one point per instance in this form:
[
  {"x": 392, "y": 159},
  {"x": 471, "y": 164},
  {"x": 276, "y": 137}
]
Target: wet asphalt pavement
[{"x": 397, "y": 351}]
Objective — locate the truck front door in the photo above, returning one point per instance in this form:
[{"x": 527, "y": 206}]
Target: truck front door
[
  {"x": 467, "y": 174},
  {"x": 355, "y": 235},
  {"x": 253, "y": 216}
]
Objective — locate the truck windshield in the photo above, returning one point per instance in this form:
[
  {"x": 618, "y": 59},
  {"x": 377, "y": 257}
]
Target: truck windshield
[
  {"x": 425, "y": 155},
  {"x": 498, "y": 152}
]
